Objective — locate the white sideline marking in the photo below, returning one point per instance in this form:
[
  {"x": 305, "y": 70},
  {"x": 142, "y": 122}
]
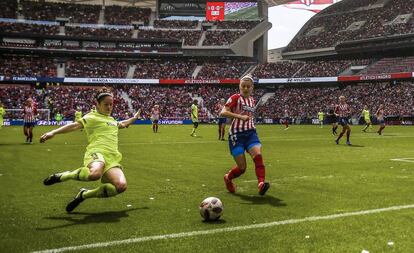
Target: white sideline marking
[
  {"x": 221, "y": 230},
  {"x": 266, "y": 139},
  {"x": 407, "y": 160}
]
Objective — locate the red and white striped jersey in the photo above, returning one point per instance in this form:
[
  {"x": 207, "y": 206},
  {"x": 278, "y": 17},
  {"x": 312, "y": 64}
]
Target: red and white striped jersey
[
  {"x": 244, "y": 106},
  {"x": 342, "y": 110},
  {"x": 380, "y": 114},
  {"x": 155, "y": 114},
  {"x": 29, "y": 114},
  {"x": 219, "y": 108}
]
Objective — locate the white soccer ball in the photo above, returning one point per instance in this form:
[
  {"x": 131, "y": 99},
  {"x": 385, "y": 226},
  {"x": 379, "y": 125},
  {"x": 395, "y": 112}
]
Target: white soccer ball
[{"x": 211, "y": 209}]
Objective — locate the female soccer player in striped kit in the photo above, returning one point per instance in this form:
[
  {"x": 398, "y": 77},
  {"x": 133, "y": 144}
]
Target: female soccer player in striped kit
[
  {"x": 242, "y": 135},
  {"x": 29, "y": 119},
  {"x": 342, "y": 110},
  {"x": 102, "y": 158}
]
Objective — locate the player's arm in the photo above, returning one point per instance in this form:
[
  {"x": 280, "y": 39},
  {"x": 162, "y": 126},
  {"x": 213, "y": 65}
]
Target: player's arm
[
  {"x": 226, "y": 112},
  {"x": 127, "y": 122},
  {"x": 61, "y": 130}
]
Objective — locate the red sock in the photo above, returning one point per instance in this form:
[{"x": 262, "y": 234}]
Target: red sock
[
  {"x": 222, "y": 133},
  {"x": 260, "y": 168},
  {"x": 156, "y": 128},
  {"x": 234, "y": 173}
]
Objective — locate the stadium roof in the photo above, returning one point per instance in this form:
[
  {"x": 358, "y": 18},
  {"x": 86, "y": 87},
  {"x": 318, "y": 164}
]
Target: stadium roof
[{"x": 144, "y": 3}]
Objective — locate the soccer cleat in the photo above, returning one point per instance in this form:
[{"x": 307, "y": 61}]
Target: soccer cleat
[
  {"x": 263, "y": 187},
  {"x": 348, "y": 143},
  {"x": 229, "y": 184},
  {"x": 76, "y": 201},
  {"x": 337, "y": 142},
  {"x": 52, "y": 179}
]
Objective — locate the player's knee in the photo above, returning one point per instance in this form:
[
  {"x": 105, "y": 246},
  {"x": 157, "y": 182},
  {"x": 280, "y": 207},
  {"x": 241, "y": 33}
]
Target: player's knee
[
  {"x": 94, "y": 175},
  {"x": 121, "y": 186}
]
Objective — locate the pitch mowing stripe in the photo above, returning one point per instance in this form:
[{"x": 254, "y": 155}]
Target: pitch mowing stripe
[{"x": 222, "y": 230}]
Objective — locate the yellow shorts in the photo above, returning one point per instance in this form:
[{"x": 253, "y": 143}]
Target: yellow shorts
[{"x": 110, "y": 160}]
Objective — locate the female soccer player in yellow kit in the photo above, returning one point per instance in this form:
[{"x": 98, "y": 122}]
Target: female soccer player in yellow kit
[{"x": 102, "y": 158}]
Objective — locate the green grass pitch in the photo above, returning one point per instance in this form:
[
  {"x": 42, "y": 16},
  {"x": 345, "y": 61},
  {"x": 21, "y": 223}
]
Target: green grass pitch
[
  {"x": 169, "y": 173},
  {"x": 243, "y": 14}
]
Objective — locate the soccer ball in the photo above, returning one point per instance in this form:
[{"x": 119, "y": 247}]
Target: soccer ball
[{"x": 211, "y": 209}]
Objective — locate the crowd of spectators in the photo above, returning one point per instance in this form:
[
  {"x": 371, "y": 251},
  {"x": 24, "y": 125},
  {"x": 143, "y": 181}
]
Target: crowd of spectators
[
  {"x": 24, "y": 28},
  {"x": 236, "y": 24},
  {"x": 176, "y": 24},
  {"x": 222, "y": 37},
  {"x": 174, "y": 102},
  {"x": 125, "y": 15},
  {"x": 164, "y": 69},
  {"x": 190, "y": 37},
  {"x": 392, "y": 65},
  {"x": 27, "y": 67},
  {"x": 334, "y": 28},
  {"x": 97, "y": 68},
  {"x": 8, "y": 8},
  {"x": 307, "y": 102},
  {"x": 48, "y": 11},
  {"x": 285, "y": 69},
  {"x": 97, "y": 32},
  {"x": 229, "y": 70}
]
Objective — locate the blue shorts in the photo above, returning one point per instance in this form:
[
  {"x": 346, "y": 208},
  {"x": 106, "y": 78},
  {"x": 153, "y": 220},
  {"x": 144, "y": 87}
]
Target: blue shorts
[
  {"x": 343, "y": 121},
  {"x": 222, "y": 121},
  {"x": 381, "y": 122},
  {"x": 29, "y": 124},
  {"x": 243, "y": 141}
]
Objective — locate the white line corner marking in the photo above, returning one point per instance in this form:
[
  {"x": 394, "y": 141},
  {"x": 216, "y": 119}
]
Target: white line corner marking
[
  {"x": 407, "y": 160},
  {"x": 221, "y": 230}
]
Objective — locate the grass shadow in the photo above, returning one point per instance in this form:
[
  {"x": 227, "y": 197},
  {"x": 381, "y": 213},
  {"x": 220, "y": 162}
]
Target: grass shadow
[
  {"x": 219, "y": 221},
  {"x": 260, "y": 200},
  {"x": 82, "y": 218}
]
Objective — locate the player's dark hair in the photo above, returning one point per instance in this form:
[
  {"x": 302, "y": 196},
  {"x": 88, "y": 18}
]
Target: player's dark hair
[{"x": 102, "y": 94}]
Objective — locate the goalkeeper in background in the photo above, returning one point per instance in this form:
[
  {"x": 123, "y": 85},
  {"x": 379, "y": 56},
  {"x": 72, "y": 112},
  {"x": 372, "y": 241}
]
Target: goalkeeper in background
[{"x": 194, "y": 117}]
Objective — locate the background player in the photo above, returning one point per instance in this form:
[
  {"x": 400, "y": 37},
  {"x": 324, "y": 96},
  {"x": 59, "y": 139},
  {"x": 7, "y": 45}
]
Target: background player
[
  {"x": 2, "y": 112},
  {"x": 58, "y": 118},
  {"x": 342, "y": 109},
  {"x": 242, "y": 135},
  {"x": 321, "y": 117},
  {"x": 194, "y": 117},
  {"x": 102, "y": 158},
  {"x": 29, "y": 119},
  {"x": 155, "y": 117},
  {"x": 380, "y": 118},
  {"x": 332, "y": 118},
  {"x": 221, "y": 120},
  {"x": 286, "y": 119},
  {"x": 367, "y": 119}
]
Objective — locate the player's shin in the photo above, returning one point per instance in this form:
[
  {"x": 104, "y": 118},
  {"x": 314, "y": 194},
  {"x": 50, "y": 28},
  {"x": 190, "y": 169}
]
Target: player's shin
[
  {"x": 259, "y": 168},
  {"x": 104, "y": 191},
  {"x": 81, "y": 174}
]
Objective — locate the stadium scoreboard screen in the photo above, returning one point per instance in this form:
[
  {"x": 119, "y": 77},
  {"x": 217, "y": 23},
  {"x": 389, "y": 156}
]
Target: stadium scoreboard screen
[
  {"x": 231, "y": 10},
  {"x": 210, "y": 9}
]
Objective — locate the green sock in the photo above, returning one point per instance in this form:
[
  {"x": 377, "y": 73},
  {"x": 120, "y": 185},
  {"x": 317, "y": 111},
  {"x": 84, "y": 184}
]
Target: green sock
[
  {"x": 104, "y": 191},
  {"x": 81, "y": 174}
]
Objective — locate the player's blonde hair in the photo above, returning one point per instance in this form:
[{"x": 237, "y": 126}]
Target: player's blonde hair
[{"x": 247, "y": 77}]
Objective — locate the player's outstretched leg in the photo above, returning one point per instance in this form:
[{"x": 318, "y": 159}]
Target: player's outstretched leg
[
  {"x": 76, "y": 201},
  {"x": 81, "y": 174}
]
